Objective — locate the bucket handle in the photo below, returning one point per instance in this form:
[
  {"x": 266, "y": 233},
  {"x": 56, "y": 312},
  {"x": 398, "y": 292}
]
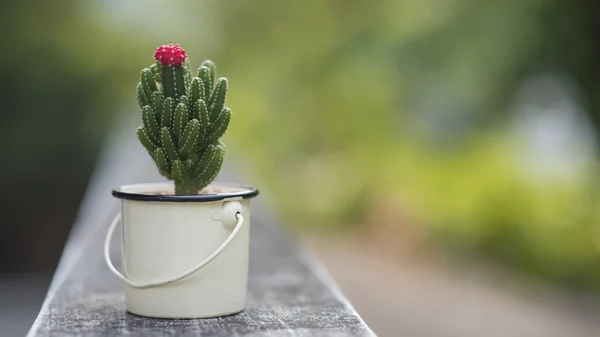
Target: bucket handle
[{"x": 230, "y": 209}]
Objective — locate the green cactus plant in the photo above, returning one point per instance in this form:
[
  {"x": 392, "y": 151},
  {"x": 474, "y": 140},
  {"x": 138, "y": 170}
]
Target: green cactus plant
[{"x": 183, "y": 118}]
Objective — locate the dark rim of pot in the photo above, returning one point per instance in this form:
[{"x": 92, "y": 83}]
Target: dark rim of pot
[{"x": 248, "y": 193}]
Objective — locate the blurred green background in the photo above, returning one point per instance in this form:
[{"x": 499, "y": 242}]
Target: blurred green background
[{"x": 475, "y": 122}]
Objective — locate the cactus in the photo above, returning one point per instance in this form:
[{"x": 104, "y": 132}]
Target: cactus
[{"x": 183, "y": 117}]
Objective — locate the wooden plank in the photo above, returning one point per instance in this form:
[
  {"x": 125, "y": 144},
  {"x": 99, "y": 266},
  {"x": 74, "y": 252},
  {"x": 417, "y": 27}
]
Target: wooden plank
[{"x": 290, "y": 293}]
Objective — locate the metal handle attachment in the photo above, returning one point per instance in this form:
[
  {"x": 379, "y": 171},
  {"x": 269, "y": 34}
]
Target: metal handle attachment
[{"x": 228, "y": 209}]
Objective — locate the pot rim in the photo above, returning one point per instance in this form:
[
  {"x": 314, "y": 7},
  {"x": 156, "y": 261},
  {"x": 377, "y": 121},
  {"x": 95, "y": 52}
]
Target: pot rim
[{"x": 136, "y": 192}]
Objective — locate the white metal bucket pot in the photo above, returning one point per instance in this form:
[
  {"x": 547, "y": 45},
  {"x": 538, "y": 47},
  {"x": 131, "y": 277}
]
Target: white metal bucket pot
[{"x": 183, "y": 256}]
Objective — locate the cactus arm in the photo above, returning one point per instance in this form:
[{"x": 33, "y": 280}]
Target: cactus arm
[
  {"x": 185, "y": 101},
  {"x": 217, "y": 99},
  {"x": 202, "y": 119},
  {"x": 141, "y": 96},
  {"x": 187, "y": 72},
  {"x": 168, "y": 82},
  {"x": 144, "y": 138},
  {"x": 162, "y": 162},
  {"x": 206, "y": 157},
  {"x": 212, "y": 70},
  {"x": 205, "y": 75},
  {"x": 219, "y": 126},
  {"x": 197, "y": 89},
  {"x": 193, "y": 112},
  {"x": 157, "y": 105},
  {"x": 179, "y": 81},
  {"x": 168, "y": 110},
  {"x": 148, "y": 83},
  {"x": 157, "y": 70},
  {"x": 190, "y": 135},
  {"x": 211, "y": 167},
  {"x": 180, "y": 120},
  {"x": 153, "y": 71},
  {"x": 173, "y": 81},
  {"x": 150, "y": 123},
  {"x": 168, "y": 144}
]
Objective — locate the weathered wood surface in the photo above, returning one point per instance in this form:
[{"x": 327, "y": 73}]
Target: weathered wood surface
[{"x": 290, "y": 294}]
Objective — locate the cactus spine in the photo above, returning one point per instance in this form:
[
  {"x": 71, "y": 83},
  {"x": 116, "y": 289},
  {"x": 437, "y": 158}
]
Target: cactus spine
[{"x": 183, "y": 118}]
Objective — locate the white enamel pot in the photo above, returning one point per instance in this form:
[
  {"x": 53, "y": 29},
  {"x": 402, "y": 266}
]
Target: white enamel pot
[{"x": 183, "y": 256}]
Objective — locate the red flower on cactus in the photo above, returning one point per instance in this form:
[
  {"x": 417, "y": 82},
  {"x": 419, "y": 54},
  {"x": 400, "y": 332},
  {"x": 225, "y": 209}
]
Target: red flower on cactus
[{"x": 170, "y": 54}]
